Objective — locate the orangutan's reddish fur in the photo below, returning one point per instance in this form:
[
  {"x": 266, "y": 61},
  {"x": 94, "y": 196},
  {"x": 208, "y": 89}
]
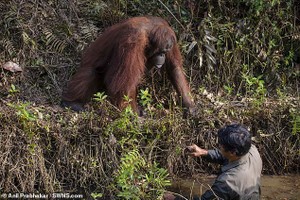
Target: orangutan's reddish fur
[{"x": 116, "y": 61}]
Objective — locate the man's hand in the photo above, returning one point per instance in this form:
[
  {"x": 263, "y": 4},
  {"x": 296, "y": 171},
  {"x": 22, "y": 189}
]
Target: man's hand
[{"x": 196, "y": 151}]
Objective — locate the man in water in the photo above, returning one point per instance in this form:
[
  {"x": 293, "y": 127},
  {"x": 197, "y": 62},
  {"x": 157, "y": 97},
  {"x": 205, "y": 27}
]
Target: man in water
[{"x": 241, "y": 170}]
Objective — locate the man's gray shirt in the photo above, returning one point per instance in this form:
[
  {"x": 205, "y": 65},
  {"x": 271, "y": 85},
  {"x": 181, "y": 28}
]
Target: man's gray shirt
[{"x": 239, "y": 179}]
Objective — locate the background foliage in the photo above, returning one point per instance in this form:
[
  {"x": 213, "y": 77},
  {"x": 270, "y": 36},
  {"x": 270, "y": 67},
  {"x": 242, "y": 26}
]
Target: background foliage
[{"x": 241, "y": 59}]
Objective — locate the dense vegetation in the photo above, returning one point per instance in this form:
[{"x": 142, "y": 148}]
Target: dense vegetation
[{"x": 242, "y": 60}]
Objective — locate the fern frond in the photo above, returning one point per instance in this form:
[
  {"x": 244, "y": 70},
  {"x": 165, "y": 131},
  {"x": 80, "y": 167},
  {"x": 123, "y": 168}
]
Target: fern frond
[
  {"x": 8, "y": 46},
  {"x": 209, "y": 45},
  {"x": 27, "y": 40},
  {"x": 53, "y": 42}
]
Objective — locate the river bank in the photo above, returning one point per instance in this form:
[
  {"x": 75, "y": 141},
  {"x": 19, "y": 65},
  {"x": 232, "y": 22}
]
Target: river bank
[{"x": 273, "y": 187}]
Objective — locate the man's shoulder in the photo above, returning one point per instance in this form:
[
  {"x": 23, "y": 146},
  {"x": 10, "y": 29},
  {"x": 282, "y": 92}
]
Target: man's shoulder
[
  {"x": 253, "y": 152},
  {"x": 253, "y": 149}
]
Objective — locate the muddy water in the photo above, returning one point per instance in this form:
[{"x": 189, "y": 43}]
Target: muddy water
[{"x": 273, "y": 187}]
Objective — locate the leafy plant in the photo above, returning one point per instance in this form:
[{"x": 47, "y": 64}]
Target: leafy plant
[
  {"x": 96, "y": 195},
  {"x": 228, "y": 89},
  {"x": 13, "y": 89},
  {"x": 137, "y": 179},
  {"x": 255, "y": 86},
  {"x": 100, "y": 97},
  {"x": 24, "y": 114},
  {"x": 146, "y": 99},
  {"x": 127, "y": 99},
  {"x": 28, "y": 120},
  {"x": 296, "y": 124},
  {"x": 127, "y": 126}
]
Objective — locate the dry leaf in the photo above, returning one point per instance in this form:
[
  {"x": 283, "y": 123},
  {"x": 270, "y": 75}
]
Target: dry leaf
[{"x": 11, "y": 66}]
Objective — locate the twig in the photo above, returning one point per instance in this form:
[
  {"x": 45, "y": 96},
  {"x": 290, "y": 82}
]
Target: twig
[{"x": 171, "y": 14}]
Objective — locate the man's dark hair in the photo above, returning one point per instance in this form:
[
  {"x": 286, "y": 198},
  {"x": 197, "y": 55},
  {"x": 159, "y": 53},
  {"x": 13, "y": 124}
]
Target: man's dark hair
[{"x": 235, "y": 138}]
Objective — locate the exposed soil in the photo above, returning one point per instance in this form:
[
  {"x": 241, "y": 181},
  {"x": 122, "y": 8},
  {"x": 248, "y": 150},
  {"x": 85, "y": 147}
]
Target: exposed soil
[{"x": 273, "y": 187}]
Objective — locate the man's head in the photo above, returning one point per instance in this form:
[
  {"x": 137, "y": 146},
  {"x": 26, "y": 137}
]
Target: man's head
[{"x": 235, "y": 139}]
